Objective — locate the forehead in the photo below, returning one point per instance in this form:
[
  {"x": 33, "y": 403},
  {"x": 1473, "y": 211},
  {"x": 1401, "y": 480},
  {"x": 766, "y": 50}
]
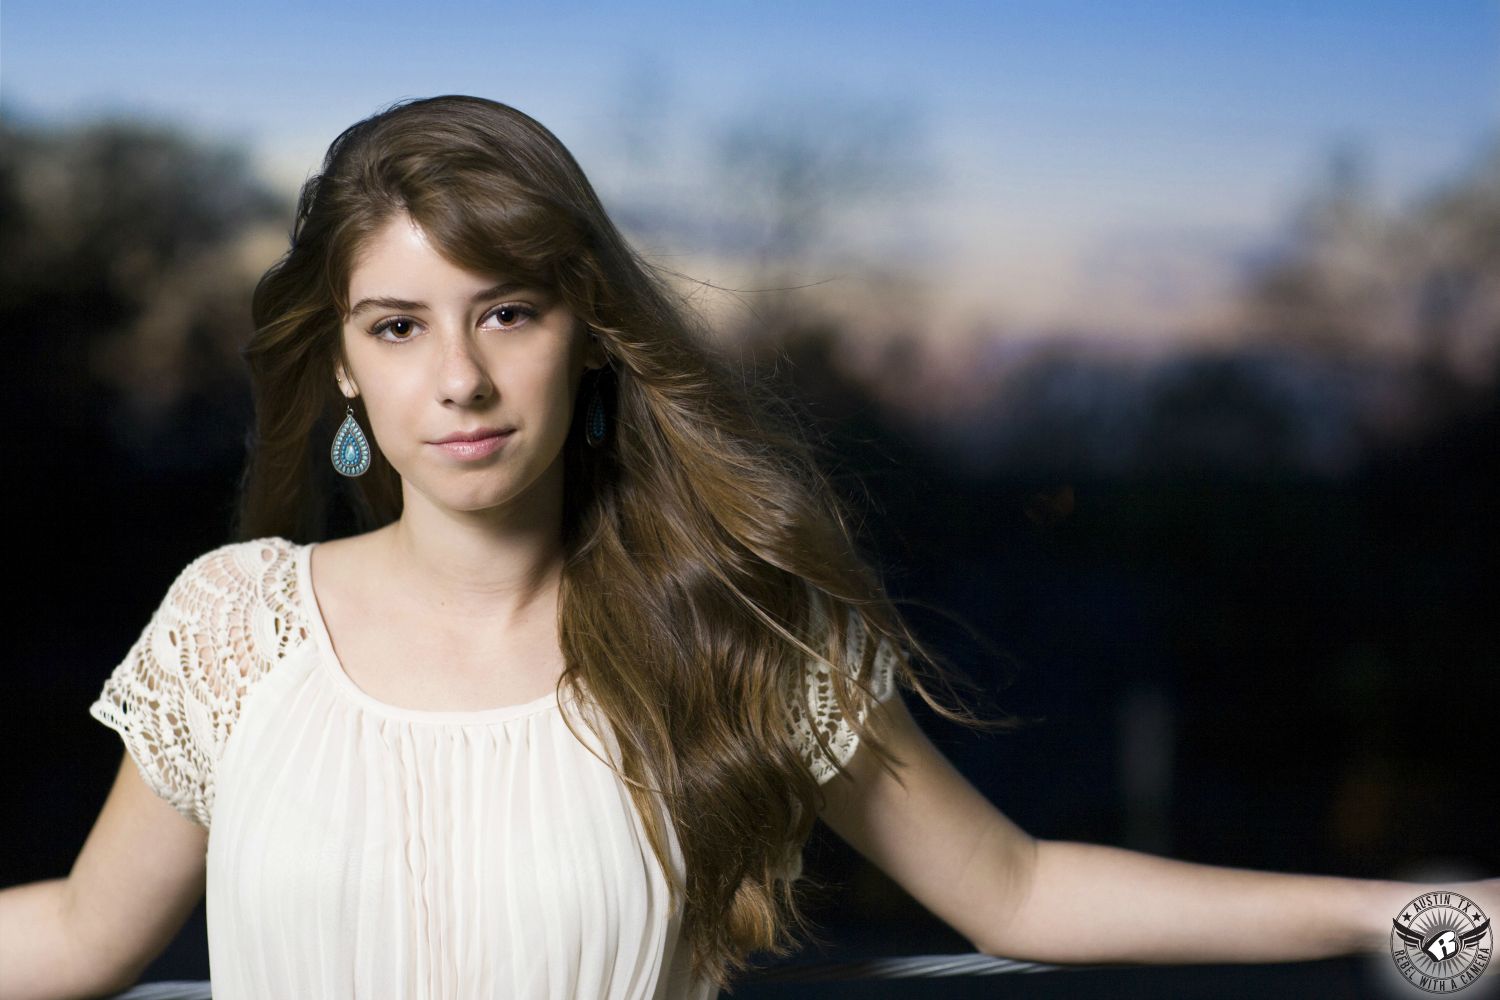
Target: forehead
[
  {"x": 396, "y": 247},
  {"x": 400, "y": 261}
]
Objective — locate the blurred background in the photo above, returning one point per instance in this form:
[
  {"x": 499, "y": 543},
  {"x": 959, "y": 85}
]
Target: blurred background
[{"x": 1158, "y": 342}]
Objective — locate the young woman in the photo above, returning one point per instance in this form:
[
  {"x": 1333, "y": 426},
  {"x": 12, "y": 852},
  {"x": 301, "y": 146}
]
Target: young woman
[{"x": 559, "y": 720}]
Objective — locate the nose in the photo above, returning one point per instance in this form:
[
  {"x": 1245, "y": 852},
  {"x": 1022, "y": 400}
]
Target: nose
[{"x": 461, "y": 376}]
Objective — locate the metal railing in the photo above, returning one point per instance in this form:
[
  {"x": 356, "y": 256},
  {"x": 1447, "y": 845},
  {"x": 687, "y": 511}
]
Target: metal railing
[{"x": 900, "y": 967}]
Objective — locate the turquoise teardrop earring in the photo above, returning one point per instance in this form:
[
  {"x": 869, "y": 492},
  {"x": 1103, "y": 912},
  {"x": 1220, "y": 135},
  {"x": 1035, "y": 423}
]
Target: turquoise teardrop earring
[
  {"x": 594, "y": 423},
  {"x": 351, "y": 449}
]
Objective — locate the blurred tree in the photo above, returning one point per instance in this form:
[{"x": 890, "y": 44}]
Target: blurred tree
[
  {"x": 797, "y": 171},
  {"x": 127, "y": 255},
  {"x": 1418, "y": 286},
  {"x": 1457, "y": 295},
  {"x": 1329, "y": 283}
]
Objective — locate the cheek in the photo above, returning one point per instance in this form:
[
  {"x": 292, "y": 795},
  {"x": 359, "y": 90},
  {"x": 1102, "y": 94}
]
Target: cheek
[
  {"x": 567, "y": 390},
  {"x": 548, "y": 381},
  {"x": 392, "y": 404}
]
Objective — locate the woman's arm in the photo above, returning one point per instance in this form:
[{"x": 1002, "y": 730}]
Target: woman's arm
[
  {"x": 136, "y": 881},
  {"x": 1018, "y": 897},
  {"x": 1099, "y": 904}
]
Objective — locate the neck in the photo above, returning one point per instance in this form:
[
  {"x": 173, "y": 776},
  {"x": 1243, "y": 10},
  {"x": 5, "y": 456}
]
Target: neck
[{"x": 493, "y": 568}]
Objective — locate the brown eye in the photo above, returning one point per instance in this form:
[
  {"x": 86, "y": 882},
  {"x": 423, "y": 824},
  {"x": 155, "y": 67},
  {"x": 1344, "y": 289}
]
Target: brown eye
[
  {"x": 391, "y": 324},
  {"x": 513, "y": 314}
]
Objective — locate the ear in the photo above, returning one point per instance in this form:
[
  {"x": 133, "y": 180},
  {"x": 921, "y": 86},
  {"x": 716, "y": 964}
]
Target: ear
[
  {"x": 346, "y": 384},
  {"x": 594, "y": 355}
]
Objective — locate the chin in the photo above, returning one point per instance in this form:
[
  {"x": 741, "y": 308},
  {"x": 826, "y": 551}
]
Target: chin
[
  {"x": 473, "y": 503},
  {"x": 462, "y": 497}
]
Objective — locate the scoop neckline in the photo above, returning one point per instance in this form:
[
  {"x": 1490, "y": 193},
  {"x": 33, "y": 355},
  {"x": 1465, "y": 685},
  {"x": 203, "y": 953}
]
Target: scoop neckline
[{"x": 328, "y": 660}]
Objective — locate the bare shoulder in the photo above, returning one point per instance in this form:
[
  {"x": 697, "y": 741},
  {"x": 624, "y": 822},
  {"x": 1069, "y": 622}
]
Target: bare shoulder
[
  {"x": 348, "y": 559},
  {"x": 343, "y": 570}
]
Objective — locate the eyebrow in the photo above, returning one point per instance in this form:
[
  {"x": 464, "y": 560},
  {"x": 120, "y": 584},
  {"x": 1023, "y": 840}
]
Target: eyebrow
[{"x": 407, "y": 305}]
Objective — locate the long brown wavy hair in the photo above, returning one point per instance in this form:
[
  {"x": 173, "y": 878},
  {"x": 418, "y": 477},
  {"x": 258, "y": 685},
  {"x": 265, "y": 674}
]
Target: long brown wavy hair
[{"x": 695, "y": 541}]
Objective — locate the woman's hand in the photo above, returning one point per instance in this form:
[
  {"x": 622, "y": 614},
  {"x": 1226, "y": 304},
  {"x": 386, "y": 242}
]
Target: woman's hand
[{"x": 1389, "y": 900}]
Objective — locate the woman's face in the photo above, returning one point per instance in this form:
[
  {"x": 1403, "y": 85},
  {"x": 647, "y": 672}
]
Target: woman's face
[{"x": 435, "y": 350}]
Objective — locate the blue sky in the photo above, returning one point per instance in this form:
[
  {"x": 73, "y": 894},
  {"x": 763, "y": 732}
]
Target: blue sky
[{"x": 1056, "y": 135}]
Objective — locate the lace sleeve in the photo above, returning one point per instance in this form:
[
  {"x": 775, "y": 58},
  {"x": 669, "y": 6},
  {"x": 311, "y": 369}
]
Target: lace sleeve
[
  {"x": 817, "y": 712},
  {"x": 174, "y": 696}
]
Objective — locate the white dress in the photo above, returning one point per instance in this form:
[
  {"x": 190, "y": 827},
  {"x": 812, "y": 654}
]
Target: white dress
[{"x": 359, "y": 849}]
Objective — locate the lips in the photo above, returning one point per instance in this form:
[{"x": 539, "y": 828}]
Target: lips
[
  {"x": 474, "y": 448},
  {"x": 475, "y": 435}
]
